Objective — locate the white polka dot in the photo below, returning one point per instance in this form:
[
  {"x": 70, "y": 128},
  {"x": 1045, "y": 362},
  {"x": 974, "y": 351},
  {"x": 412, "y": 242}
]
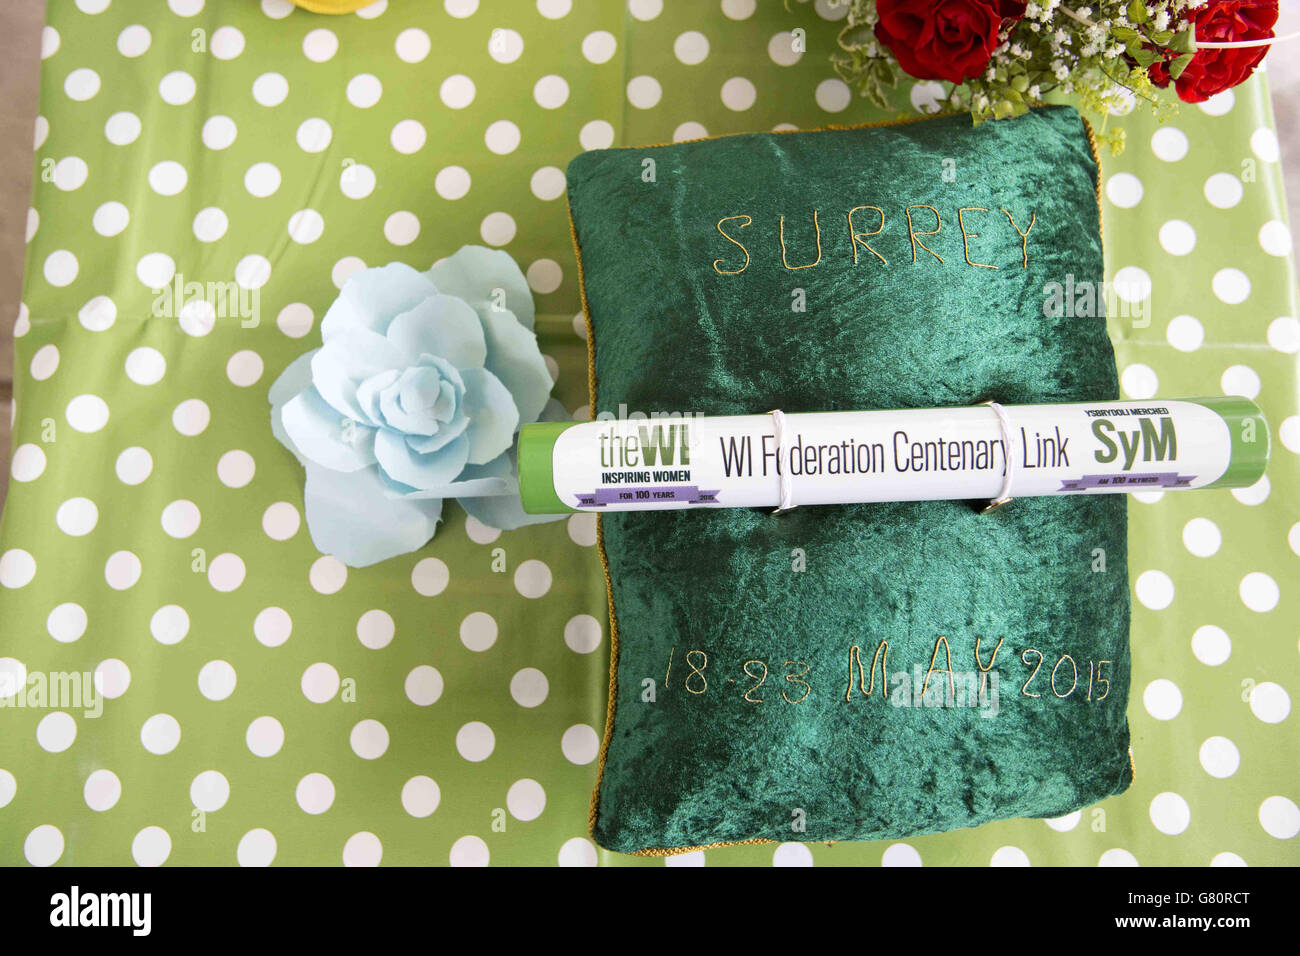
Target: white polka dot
[
  {"x": 420, "y": 796},
  {"x": 66, "y": 623},
  {"x": 375, "y": 629},
  {"x": 110, "y": 218},
  {"x": 102, "y": 790},
  {"x": 689, "y": 130},
  {"x": 28, "y": 463},
  {"x": 506, "y": 45},
  {"x": 133, "y": 465},
  {"x": 191, "y": 417},
  {"x": 1139, "y": 381},
  {"x": 544, "y": 276},
  {"x": 262, "y": 179},
  {"x": 81, "y": 84},
  {"x": 160, "y": 734},
  {"x": 738, "y": 93},
  {"x": 244, "y": 369},
  {"x": 457, "y": 91},
  {"x": 315, "y": 793},
  {"x": 49, "y": 42},
  {"x": 1231, "y": 286},
  {"x": 44, "y": 844},
  {"x": 122, "y": 129},
  {"x": 478, "y": 631},
  {"x": 227, "y": 43},
  {"x": 1132, "y": 284},
  {"x": 209, "y": 791},
  {"x": 600, "y": 46},
  {"x": 77, "y": 517},
  {"x": 219, "y": 132},
  {"x": 1240, "y": 380},
  {"x": 451, "y": 182},
  {"x": 272, "y": 626},
  {"x": 551, "y": 92},
  {"x": 529, "y": 687},
  {"x": 833, "y": 95},
  {"x": 1009, "y": 856},
  {"x": 1124, "y": 190},
  {"x": 548, "y": 183},
  {"x": 579, "y": 851},
  {"x": 1211, "y": 645},
  {"x": 1227, "y": 859},
  {"x": 502, "y": 137},
  {"x": 1185, "y": 333},
  {"x": 186, "y": 8},
  {"x": 1263, "y": 143},
  {"x": 328, "y": 574},
  {"x": 1170, "y": 813},
  {"x": 408, "y": 136},
  {"x": 357, "y": 181},
  {"x": 583, "y": 633},
  {"x": 1275, "y": 238},
  {"x": 45, "y": 362},
  {"x": 1219, "y": 757},
  {"x": 532, "y": 578},
  {"x": 1162, "y": 699},
  {"x": 98, "y": 314},
  {"x": 134, "y": 41},
  {"x": 320, "y": 682},
  {"x": 33, "y": 223},
  {"x": 169, "y": 624},
  {"x": 1279, "y": 817},
  {"x": 217, "y": 680},
  {"x": 320, "y": 45},
  {"x": 270, "y": 89},
  {"x": 554, "y": 9},
  {"x": 1117, "y": 857},
  {"x": 344, "y": 269},
  {"x": 70, "y": 173},
  {"x": 1223, "y": 190},
  {"x": 1284, "y": 334},
  {"x": 429, "y": 577},
  {"x": 1289, "y": 433},
  {"x": 252, "y": 272},
  {"x": 475, "y": 741},
  {"x": 782, "y": 49},
  {"x": 480, "y": 533},
  {"x": 210, "y": 224},
  {"x": 580, "y": 744},
  {"x": 423, "y": 685},
  {"x": 526, "y": 799},
  {"x": 314, "y": 135},
  {"x": 56, "y": 732},
  {"x": 1177, "y": 237},
  {"x": 1201, "y": 537},
  {"x": 598, "y": 134},
  {"x": 1270, "y": 702},
  {"x": 1066, "y": 823},
  {"x": 792, "y": 854},
  {"x": 1169, "y": 144},
  {"x": 13, "y": 677},
  {"x": 155, "y": 270},
  {"x": 497, "y": 228},
  {"x": 582, "y": 529},
  {"x": 177, "y": 88},
  {"x": 901, "y": 854},
  {"x": 122, "y": 570},
  {"x": 8, "y": 787},
  {"x": 281, "y": 521},
  {"x": 60, "y": 268},
  {"x": 1219, "y": 104},
  {"x": 364, "y": 90},
  {"x": 197, "y": 317},
  {"x": 402, "y": 228},
  {"x": 226, "y": 572},
  {"x": 257, "y": 847},
  {"x": 145, "y": 366},
  {"x": 369, "y": 739},
  {"x": 17, "y": 568},
  {"x": 295, "y": 320},
  {"x": 645, "y": 9},
  {"x": 1259, "y": 592},
  {"x": 469, "y": 851},
  {"x": 413, "y": 45}
]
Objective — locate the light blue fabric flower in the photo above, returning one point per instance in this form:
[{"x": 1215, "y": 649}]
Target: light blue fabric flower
[{"x": 416, "y": 394}]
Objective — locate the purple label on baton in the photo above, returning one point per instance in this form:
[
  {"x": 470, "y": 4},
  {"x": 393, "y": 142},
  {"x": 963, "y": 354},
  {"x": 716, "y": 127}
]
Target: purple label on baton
[
  {"x": 690, "y": 494},
  {"x": 1159, "y": 479}
]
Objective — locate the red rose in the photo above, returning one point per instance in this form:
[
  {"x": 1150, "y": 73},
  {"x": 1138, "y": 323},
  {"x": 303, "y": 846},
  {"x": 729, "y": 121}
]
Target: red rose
[
  {"x": 943, "y": 39},
  {"x": 1213, "y": 71}
]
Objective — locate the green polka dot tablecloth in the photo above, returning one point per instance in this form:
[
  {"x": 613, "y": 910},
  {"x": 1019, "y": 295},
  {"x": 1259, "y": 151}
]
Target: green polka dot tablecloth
[{"x": 260, "y": 703}]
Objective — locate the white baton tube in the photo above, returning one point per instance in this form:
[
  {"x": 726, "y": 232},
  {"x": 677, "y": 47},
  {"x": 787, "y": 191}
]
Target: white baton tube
[{"x": 785, "y": 460}]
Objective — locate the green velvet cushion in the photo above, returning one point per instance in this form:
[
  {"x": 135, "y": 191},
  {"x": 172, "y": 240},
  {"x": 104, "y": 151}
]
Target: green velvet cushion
[{"x": 746, "y": 705}]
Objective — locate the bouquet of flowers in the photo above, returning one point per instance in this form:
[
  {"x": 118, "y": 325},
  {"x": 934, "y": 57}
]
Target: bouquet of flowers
[{"x": 1002, "y": 56}]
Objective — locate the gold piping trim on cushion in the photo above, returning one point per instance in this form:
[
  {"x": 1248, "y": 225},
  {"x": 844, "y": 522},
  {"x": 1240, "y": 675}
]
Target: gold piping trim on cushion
[{"x": 593, "y": 810}]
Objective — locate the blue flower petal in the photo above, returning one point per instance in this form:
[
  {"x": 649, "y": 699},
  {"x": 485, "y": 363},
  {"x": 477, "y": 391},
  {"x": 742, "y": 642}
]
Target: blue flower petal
[
  {"x": 488, "y": 279},
  {"x": 372, "y": 298},
  {"x": 351, "y": 517},
  {"x": 347, "y": 360},
  {"x": 444, "y": 326},
  {"x": 493, "y": 417},
  {"x": 322, "y": 435},
  {"x": 368, "y": 393},
  {"x": 513, "y": 357},
  {"x": 294, "y": 379},
  {"x": 423, "y": 472}
]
